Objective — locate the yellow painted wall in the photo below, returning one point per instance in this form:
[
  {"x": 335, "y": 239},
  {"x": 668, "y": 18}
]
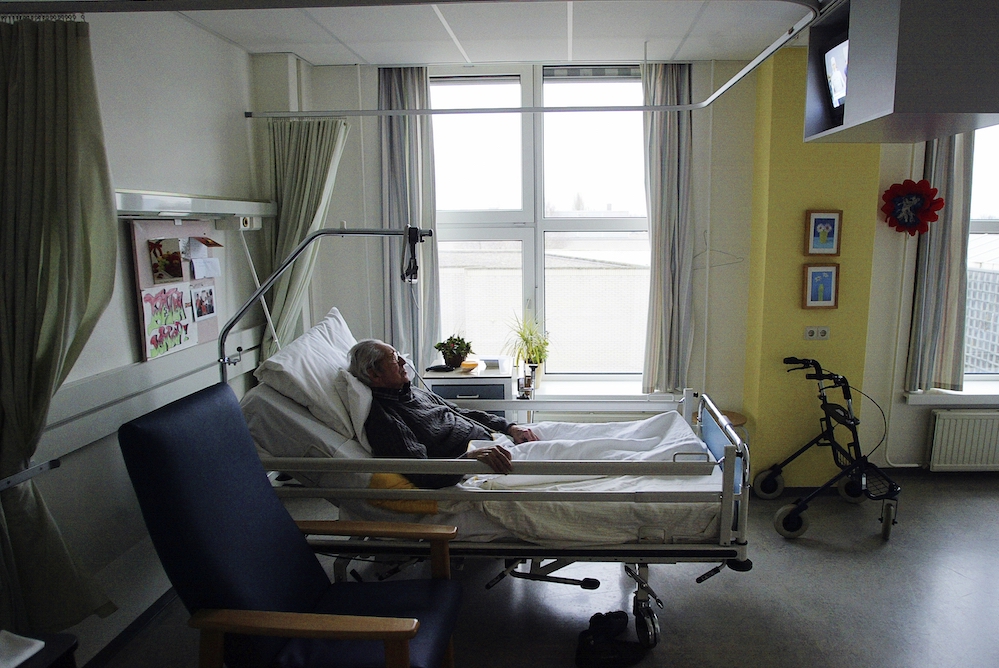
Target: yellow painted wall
[{"x": 791, "y": 177}]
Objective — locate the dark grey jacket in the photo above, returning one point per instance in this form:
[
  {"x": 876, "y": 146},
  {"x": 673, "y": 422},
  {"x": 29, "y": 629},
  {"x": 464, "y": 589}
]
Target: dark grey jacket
[{"x": 416, "y": 424}]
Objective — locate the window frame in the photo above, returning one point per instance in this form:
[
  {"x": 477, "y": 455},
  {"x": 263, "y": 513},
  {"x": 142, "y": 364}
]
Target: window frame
[
  {"x": 530, "y": 224},
  {"x": 508, "y": 216},
  {"x": 981, "y": 226}
]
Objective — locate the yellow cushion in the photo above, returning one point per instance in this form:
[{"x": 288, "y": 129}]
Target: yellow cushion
[{"x": 399, "y": 481}]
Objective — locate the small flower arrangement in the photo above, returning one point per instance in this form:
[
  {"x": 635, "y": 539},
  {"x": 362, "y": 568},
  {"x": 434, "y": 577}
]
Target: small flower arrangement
[{"x": 454, "y": 350}]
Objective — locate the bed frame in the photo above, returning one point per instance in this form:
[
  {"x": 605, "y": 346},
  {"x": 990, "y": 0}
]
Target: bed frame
[{"x": 729, "y": 550}]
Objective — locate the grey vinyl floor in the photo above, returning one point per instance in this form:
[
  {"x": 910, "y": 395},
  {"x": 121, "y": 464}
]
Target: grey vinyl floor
[{"x": 837, "y": 596}]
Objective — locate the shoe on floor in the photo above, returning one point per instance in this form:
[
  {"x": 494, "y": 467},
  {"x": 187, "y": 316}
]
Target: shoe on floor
[
  {"x": 609, "y": 624},
  {"x": 594, "y": 651}
]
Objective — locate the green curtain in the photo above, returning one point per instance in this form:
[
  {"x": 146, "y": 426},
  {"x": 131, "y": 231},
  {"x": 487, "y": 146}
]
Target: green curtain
[
  {"x": 306, "y": 154},
  {"x": 57, "y": 265}
]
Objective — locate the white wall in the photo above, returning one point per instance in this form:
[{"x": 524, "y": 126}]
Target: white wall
[
  {"x": 172, "y": 100},
  {"x": 349, "y": 272},
  {"x": 892, "y": 278}
]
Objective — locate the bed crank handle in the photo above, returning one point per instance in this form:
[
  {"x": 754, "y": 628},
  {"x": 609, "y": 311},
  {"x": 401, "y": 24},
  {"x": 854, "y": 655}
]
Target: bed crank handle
[{"x": 735, "y": 564}]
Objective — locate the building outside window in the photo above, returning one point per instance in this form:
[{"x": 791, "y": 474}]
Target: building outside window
[
  {"x": 981, "y": 350},
  {"x": 570, "y": 247}
]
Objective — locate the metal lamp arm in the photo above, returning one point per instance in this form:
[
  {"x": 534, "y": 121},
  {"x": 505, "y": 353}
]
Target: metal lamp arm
[{"x": 412, "y": 234}]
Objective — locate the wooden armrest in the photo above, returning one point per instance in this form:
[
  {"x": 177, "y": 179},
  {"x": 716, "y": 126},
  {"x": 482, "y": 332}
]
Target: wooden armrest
[
  {"x": 305, "y": 625},
  {"x": 395, "y": 632},
  {"x": 438, "y": 535},
  {"x": 410, "y": 531}
]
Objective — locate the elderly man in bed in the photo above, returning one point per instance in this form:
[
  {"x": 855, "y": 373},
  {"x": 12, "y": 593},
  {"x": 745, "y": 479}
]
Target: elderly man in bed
[{"x": 408, "y": 422}]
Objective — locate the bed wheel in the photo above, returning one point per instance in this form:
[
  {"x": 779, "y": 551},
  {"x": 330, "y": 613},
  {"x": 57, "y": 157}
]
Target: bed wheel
[
  {"x": 851, "y": 490},
  {"x": 887, "y": 519},
  {"x": 646, "y": 626},
  {"x": 768, "y": 485},
  {"x": 788, "y": 524}
]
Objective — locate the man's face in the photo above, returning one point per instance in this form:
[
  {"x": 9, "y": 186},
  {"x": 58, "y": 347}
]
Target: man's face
[{"x": 391, "y": 370}]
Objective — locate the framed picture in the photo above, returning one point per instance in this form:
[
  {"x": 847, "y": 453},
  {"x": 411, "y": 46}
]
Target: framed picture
[
  {"x": 822, "y": 232},
  {"x": 821, "y": 288}
]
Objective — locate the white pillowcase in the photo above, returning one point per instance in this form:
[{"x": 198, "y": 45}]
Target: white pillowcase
[
  {"x": 356, "y": 396},
  {"x": 306, "y": 371}
]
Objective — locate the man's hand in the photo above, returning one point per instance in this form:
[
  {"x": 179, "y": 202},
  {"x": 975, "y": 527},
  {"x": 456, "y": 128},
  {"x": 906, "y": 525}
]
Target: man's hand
[
  {"x": 520, "y": 434},
  {"x": 496, "y": 456}
]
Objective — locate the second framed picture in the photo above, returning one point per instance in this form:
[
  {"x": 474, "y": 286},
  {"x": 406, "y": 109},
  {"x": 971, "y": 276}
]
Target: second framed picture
[
  {"x": 822, "y": 232},
  {"x": 821, "y": 289}
]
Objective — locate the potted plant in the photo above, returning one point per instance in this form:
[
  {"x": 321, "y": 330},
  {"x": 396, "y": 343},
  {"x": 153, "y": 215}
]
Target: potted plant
[
  {"x": 529, "y": 344},
  {"x": 454, "y": 350}
]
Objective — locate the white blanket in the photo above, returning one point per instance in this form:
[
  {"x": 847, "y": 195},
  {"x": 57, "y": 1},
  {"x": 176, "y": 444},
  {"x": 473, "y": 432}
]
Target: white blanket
[{"x": 665, "y": 437}]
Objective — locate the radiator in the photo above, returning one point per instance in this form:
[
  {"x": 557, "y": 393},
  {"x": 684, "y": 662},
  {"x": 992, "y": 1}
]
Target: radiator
[{"x": 965, "y": 440}]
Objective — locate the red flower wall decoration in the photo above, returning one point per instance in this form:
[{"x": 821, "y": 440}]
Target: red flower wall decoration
[{"x": 911, "y": 206}]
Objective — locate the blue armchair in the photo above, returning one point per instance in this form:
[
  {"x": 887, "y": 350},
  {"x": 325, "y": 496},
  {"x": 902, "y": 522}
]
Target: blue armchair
[{"x": 243, "y": 568}]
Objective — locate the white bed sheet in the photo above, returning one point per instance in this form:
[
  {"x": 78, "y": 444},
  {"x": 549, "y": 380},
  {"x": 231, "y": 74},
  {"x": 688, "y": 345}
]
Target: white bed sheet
[{"x": 282, "y": 428}]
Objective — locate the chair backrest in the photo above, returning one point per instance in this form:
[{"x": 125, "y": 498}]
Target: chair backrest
[{"x": 223, "y": 536}]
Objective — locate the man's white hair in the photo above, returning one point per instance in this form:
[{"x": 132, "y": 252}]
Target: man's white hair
[{"x": 364, "y": 357}]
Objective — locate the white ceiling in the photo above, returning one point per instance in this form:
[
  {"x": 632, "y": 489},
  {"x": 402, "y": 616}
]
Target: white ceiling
[{"x": 584, "y": 31}]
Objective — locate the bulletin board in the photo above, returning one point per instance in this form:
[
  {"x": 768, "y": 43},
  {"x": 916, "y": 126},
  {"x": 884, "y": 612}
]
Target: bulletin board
[{"x": 175, "y": 271}]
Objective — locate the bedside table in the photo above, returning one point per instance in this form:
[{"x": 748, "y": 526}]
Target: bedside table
[{"x": 480, "y": 383}]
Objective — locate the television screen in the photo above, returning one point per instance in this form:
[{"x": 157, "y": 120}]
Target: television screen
[{"x": 836, "y": 59}]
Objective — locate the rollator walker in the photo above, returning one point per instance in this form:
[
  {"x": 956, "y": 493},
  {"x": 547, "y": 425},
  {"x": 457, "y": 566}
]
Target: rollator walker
[{"x": 858, "y": 478}]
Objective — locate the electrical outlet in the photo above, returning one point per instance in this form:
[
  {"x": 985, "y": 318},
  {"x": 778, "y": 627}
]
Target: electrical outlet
[{"x": 816, "y": 333}]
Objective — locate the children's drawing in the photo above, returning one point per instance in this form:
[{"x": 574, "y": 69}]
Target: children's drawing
[{"x": 168, "y": 323}]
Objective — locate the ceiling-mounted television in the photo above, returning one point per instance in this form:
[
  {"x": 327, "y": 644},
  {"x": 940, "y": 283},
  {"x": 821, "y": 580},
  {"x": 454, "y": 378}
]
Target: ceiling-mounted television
[{"x": 836, "y": 60}]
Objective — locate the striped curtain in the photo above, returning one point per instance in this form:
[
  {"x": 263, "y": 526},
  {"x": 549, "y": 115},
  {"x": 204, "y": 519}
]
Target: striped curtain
[
  {"x": 413, "y": 309},
  {"x": 668, "y": 156},
  {"x": 936, "y": 338}
]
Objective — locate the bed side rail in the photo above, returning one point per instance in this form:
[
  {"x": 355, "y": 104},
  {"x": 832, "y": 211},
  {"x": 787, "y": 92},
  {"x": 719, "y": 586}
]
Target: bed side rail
[
  {"x": 651, "y": 403},
  {"x": 726, "y": 445}
]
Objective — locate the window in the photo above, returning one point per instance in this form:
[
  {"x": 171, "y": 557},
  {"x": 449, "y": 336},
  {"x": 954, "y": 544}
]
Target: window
[
  {"x": 573, "y": 248},
  {"x": 593, "y": 161},
  {"x": 981, "y": 336},
  {"x": 482, "y": 282},
  {"x": 477, "y": 157}
]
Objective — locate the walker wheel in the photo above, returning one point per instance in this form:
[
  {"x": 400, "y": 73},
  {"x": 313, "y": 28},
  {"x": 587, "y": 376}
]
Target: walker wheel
[
  {"x": 768, "y": 485},
  {"x": 788, "y": 524},
  {"x": 887, "y": 520},
  {"x": 646, "y": 626},
  {"x": 850, "y": 490}
]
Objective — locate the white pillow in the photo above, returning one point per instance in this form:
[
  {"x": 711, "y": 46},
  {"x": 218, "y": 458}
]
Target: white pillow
[
  {"x": 356, "y": 396},
  {"x": 305, "y": 371}
]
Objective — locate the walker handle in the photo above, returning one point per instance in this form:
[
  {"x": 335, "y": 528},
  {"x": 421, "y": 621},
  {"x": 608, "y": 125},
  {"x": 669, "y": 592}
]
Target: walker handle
[{"x": 803, "y": 364}]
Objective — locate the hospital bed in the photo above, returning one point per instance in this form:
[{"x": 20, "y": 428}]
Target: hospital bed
[{"x": 686, "y": 502}]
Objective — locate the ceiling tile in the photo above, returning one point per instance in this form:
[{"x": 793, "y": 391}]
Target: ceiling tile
[
  {"x": 396, "y": 35},
  {"x": 509, "y": 32}
]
